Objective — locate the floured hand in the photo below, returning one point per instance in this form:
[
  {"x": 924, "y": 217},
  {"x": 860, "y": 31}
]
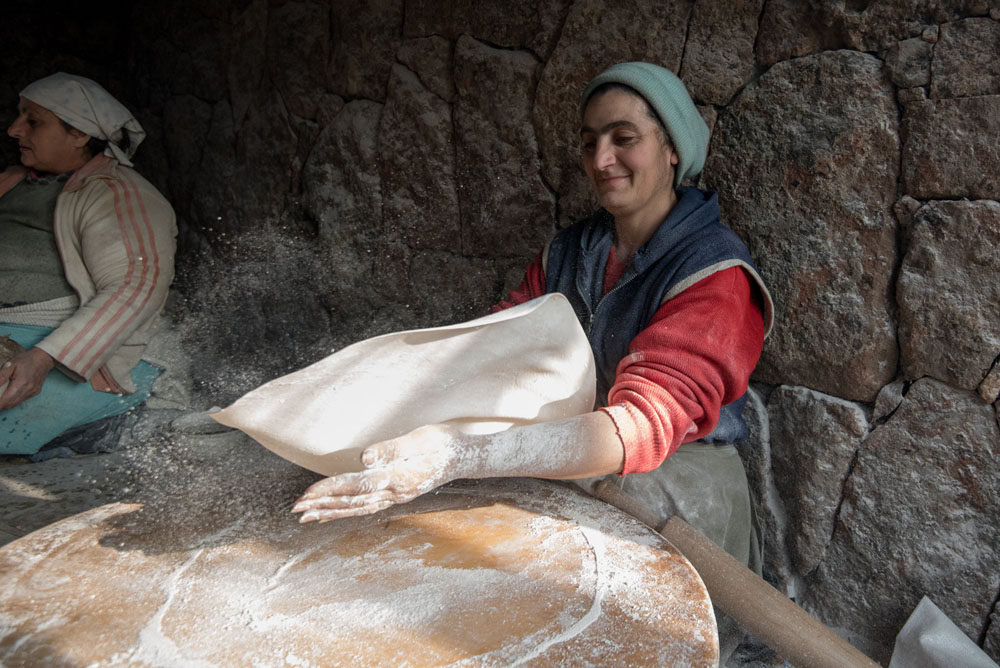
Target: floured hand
[
  {"x": 401, "y": 469},
  {"x": 396, "y": 471}
]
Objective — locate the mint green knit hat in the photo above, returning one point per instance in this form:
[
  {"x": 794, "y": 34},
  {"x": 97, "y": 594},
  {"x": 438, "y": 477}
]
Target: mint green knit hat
[{"x": 668, "y": 97}]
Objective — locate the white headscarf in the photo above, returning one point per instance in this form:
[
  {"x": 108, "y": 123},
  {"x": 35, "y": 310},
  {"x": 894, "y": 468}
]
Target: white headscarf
[{"x": 85, "y": 105}]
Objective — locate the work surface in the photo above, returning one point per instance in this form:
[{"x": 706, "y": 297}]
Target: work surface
[{"x": 489, "y": 573}]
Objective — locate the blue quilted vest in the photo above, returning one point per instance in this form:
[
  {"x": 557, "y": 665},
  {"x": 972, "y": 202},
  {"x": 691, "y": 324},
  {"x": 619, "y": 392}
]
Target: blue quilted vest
[{"x": 688, "y": 246}]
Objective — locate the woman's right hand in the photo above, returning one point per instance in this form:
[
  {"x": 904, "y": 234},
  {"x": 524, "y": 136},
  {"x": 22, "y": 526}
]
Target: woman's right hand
[
  {"x": 396, "y": 471},
  {"x": 23, "y": 375},
  {"x": 401, "y": 469}
]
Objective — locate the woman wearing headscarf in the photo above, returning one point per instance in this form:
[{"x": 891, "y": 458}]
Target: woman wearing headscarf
[
  {"x": 676, "y": 316},
  {"x": 86, "y": 259},
  {"x": 675, "y": 312}
]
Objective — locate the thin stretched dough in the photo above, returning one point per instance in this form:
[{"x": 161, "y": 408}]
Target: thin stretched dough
[{"x": 530, "y": 363}]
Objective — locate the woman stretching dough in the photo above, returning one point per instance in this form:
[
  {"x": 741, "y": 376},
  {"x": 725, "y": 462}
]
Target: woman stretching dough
[{"x": 676, "y": 315}]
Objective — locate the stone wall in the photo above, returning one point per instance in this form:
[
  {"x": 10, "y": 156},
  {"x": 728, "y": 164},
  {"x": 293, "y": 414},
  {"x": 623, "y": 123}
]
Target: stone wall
[{"x": 342, "y": 169}]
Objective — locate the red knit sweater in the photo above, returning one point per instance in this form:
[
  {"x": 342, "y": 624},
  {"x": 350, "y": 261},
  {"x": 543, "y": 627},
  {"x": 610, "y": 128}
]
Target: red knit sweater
[{"x": 694, "y": 357}]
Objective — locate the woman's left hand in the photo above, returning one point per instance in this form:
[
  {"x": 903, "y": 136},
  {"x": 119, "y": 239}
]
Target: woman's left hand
[{"x": 396, "y": 471}]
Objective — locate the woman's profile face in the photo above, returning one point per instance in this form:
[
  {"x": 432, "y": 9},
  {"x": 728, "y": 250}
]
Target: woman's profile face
[
  {"x": 44, "y": 143},
  {"x": 627, "y": 161}
]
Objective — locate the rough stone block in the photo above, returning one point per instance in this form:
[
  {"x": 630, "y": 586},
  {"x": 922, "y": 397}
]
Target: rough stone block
[
  {"x": 989, "y": 389},
  {"x": 450, "y": 288},
  {"x": 888, "y": 400},
  {"x": 790, "y": 28},
  {"x": 266, "y": 164},
  {"x": 506, "y": 23},
  {"x": 719, "y": 56},
  {"x": 298, "y": 45},
  {"x": 431, "y": 59},
  {"x": 212, "y": 193},
  {"x": 364, "y": 38},
  {"x": 506, "y": 208},
  {"x": 190, "y": 50},
  {"x": 770, "y": 510},
  {"x": 967, "y": 59},
  {"x": 417, "y": 153},
  {"x": 918, "y": 518},
  {"x": 342, "y": 193},
  {"x": 247, "y": 60},
  {"x": 991, "y": 645},
  {"x": 814, "y": 438},
  {"x": 909, "y": 63},
  {"x": 908, "y": 95},
  {"x": 805, "y": 163},
  {"x": 950, "y": 148},
  {"x": 190, "y": 120},
  {"x": 949, "y": 293}
]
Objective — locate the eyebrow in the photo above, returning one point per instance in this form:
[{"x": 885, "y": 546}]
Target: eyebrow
[{"x": 610, "y": 126}]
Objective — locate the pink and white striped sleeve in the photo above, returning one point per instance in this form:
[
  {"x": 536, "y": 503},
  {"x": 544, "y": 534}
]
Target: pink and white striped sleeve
[{"x": 125, "y": 231}]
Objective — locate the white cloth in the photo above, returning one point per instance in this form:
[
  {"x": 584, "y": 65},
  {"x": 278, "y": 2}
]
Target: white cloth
[
  {"x": 530, "y": 363},
  {"x": 930, "y": 640},
  {"x": 85, "y": 105}
]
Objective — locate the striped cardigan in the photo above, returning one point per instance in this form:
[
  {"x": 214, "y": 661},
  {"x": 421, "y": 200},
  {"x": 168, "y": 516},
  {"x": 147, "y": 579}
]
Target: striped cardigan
[{"x": 116, "y": 236}]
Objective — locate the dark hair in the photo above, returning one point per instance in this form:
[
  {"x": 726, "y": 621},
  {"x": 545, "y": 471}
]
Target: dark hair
[
  {"x": 614, "y": 85},
  {"x": 96, "y": 146}
]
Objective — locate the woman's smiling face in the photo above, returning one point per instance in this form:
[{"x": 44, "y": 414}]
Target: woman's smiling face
[
  {"x": 44, "y": 142},
  {"x": 627, "y": 160}
]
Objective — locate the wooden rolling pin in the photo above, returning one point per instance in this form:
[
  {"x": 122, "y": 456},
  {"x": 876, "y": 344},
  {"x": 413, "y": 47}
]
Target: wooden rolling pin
[{"x": 739, "y": 592}]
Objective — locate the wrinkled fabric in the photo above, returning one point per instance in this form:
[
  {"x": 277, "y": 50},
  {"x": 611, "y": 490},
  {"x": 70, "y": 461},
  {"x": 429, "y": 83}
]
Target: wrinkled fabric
[{"x": 85, "y": 105}]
